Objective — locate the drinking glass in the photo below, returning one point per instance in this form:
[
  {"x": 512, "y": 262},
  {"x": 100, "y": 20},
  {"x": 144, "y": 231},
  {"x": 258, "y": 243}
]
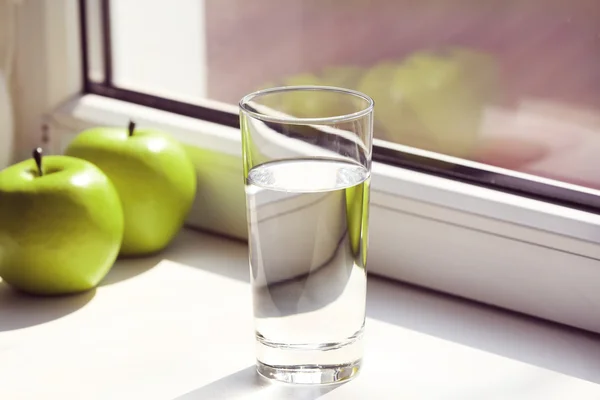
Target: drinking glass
[{"x": 307, "y": 167}]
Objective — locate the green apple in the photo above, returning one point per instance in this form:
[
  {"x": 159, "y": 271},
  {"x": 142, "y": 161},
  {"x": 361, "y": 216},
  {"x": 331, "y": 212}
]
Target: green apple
[
  {"x": 433, "y": 100},
  {"x": 376, "y": 83},
  {"x": 341, "y": 76},
  {"x": 441, "y": 96},
  {"x": 313, "y": 104},
  {"x": 155, "y": 180},
  {"x": 301, "y": 104},
  {"x": 61, "y": 225}
]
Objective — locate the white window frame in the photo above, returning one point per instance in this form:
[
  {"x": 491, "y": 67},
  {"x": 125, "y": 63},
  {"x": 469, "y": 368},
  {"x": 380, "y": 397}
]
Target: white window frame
[{"x": 501, "y": 249}]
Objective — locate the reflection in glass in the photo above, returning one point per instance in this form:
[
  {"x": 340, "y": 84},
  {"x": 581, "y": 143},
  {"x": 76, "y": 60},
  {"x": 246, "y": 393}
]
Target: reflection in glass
[{"x": 510, "y": 83}]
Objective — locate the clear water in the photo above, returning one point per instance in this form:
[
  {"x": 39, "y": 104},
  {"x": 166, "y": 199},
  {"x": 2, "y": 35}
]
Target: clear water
[{"x": 307, "y": 224}]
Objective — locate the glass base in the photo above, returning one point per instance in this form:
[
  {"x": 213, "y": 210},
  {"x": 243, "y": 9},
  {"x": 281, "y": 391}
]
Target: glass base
[
  {"x": 310, "y": 363},
  {"x": 310, "y": 374}
]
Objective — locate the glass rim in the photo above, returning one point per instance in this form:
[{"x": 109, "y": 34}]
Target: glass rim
[{"x": 243, "y": 104}]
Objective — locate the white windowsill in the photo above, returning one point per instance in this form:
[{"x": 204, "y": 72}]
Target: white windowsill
[
  {"x": 178, "y": 325},
  {"x": 506, "y": 250}
]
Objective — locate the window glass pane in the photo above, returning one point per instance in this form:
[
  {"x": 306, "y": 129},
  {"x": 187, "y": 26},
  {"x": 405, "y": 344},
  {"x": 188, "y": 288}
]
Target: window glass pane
[
  {"x": 93, "y": 25},
  {"x": 510, "y": 83},
  {"x": 158, "y": 47}
]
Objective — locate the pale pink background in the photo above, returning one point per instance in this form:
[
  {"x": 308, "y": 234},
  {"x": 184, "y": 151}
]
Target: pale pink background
[{"x": 548, "y": 52}]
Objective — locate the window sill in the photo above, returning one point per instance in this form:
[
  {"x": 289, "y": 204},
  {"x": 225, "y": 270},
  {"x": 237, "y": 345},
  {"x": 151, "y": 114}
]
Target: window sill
[
  {"x": 154, "y": 322},
  {"x": 501, "y": 249}
]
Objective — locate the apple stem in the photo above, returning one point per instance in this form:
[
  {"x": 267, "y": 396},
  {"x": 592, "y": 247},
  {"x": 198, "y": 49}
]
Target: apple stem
[
  {"x": 131, "y": 128},
  {"x": 37, "y": 156}
]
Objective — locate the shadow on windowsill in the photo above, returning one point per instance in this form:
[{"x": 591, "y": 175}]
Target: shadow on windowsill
[
  {"x": 545, "y": 344},
  {"x": 215, "y": 252},
  {"x": 19, "y": 310},
  {"x": 530, "y": 340},
  {"x": 247, "y": 383}
]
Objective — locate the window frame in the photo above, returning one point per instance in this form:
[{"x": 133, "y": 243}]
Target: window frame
[
  {"x": 555, "y": 276},
  {"x": 474, "y": 173}
]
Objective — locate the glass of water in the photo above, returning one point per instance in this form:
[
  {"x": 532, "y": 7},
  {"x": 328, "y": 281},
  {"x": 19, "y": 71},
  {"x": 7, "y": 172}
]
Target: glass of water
[{"x": 307, "y": 167}]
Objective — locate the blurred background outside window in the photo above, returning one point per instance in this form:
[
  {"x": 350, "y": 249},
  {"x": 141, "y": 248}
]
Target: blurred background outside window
[{"x": 508, "y": 83}]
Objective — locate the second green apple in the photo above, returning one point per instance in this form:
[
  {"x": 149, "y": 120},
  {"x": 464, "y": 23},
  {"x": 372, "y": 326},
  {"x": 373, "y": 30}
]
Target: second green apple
[{"x": 154, "y": 178}]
